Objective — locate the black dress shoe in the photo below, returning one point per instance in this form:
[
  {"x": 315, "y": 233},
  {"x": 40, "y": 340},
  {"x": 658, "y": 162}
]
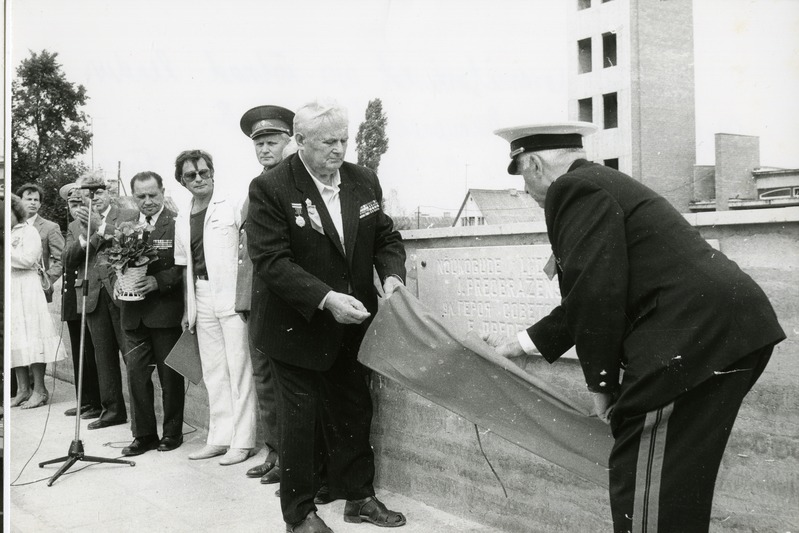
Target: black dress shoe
[
  {"x": 141, "y": 445},
  {"x": 170, "y": 443},
  {"x": 261, "y": 469},
  {"x": 87, "y": 413},
  {"x": 273, "y": 476},
  {"x": 310, "y": 524},
  {"x": 323, "y": 496},
  {"x": 73, "y": 411},
  {"x": 100, "y": 424}
]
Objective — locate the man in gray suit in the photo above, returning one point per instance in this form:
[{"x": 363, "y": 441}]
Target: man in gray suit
[{"x": 52, "y": 240}]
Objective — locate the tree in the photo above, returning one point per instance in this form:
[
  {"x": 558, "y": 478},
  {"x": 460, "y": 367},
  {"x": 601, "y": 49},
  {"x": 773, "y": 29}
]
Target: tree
[
  {"x": 371, "y": 140},
  {"x": 48, "y": 128}
]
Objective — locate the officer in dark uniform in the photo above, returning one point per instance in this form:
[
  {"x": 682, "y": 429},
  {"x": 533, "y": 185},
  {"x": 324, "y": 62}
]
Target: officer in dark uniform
[
  {"x": 670, "y": 333},
  {"x": 70, "y": 313},
  {"x": 270, "y": 128}
]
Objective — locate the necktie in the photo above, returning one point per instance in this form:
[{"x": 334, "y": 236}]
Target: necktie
[{"x": 149, "y": 220}]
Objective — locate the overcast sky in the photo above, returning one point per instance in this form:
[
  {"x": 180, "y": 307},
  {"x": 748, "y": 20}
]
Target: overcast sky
[{"x": 167, "y": 76}]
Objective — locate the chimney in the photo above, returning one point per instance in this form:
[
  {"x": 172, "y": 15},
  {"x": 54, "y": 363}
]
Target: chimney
[
  {"x": 704, "y": 184},
  {"x": 736, "y": 157}
]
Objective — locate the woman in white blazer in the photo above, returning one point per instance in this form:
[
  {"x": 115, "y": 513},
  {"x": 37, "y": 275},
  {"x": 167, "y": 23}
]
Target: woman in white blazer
[{"x": 206, "y": 242}]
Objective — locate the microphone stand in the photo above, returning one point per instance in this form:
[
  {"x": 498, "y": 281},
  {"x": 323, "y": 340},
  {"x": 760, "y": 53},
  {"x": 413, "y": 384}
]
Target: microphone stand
[{"x": 75, "y": 452}]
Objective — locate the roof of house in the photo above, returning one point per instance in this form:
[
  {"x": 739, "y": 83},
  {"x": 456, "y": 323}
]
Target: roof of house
[{"x": 504, "y": 206}]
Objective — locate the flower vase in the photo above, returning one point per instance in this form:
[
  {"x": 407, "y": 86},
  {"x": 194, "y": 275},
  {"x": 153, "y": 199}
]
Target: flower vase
[{"x": 126, "y": 281}]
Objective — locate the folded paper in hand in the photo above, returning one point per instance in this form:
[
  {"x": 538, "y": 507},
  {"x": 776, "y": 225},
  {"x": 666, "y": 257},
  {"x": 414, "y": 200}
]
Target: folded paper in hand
[
  {"x": 412, "y": 346},
  {"x": 185, "y": 357}
]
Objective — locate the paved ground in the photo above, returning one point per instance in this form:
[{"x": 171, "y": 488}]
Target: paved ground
[{"x": 163, "y": 492}]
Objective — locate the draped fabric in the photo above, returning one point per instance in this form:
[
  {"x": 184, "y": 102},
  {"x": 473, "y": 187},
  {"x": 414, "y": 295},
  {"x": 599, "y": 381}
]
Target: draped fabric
[{"x": 412, "y": 346}]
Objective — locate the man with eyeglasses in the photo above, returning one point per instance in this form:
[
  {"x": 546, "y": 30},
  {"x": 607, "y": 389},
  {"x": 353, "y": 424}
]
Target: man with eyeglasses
[
  {"x": 102, "y": 313},
  {"x": 71, "y": 310},
  {"x": 206, "y": 239}
]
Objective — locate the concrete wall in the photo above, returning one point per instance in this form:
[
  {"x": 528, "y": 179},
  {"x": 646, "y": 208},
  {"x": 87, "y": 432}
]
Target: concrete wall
[{"x": 432, "y": 455}]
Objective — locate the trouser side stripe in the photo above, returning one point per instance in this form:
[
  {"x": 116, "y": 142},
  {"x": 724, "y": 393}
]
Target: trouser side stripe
[{"x": 649, "y": 470}]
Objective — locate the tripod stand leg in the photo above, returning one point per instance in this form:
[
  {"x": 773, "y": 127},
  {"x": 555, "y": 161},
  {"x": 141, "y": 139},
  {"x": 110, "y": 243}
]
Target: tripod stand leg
[
  {"x": 107, "y": 460},
  {"x": 70, "y": 461},
  {"x": 51, "y": 461}
]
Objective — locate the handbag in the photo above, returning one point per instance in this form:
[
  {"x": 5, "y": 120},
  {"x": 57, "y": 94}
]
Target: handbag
[{"x": 44, "y": 280}]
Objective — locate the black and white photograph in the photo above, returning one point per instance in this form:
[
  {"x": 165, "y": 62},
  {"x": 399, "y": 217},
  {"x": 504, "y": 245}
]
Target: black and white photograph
[{"x": 513, "y": 266}]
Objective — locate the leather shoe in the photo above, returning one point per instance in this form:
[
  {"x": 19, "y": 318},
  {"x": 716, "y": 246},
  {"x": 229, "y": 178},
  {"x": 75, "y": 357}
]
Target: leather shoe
[
  {"x": 310, "y": 524},
  {"x": 141, "y": 445},
  {"x": 72, "y": 411},
  {"x": 273, "y": 476},
  {"x": 372, "y": 510},
  {"x": 235, "y": 456},
  {"x": 87, "y": 413},
  {"x": 261, "y": 469},
  {"x": 323, "y": 496},
  {"x": 100, "y": 423},
  {"x": 170, "y": 443}
]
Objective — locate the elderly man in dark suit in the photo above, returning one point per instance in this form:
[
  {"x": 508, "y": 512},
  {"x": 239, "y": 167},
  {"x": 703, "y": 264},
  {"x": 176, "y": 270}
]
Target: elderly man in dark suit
[
  {"x": 152, "y": 325},
  {"x": 102, "y": 314},
  {"x": 316, "y": 231},
  {"x": 52, "y": 240},
  {"x": 91, "y": 406},
  {"x": 670, "y": 333},
  {"x": 270, "y": 128}
]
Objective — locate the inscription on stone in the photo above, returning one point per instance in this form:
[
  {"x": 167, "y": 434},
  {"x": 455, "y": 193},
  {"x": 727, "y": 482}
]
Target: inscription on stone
[{"x": 492, "y": 289}]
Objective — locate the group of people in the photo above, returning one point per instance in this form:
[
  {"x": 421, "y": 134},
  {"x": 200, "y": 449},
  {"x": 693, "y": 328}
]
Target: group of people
[{"x": 279, "y": 290}]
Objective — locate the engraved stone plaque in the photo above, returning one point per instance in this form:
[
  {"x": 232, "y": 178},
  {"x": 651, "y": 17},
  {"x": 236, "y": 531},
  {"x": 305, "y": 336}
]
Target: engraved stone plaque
[{"x": 492, "y": 289}]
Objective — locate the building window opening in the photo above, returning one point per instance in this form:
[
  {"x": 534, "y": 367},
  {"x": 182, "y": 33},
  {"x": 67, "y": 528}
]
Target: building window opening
[
  {"x": 611, "y": 107},
  {"x": 586, "y": 109},
  {"x": 776, "y": 193},
  {"x": 612, "y": 163},
  {"x": 584, "y": 56},
  {"x": 609, "y": 50},
  {"x": 583, "y": 4}
]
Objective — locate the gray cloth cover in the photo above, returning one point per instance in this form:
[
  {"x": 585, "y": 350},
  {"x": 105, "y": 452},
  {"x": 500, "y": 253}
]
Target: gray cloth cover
[{"x": 412, "y": 346}]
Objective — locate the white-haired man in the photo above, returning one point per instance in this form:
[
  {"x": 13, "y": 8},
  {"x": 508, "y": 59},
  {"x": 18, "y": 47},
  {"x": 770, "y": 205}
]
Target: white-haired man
[
  {"x": 316, "y": 230},
  {"x": 642, "y": 291}
]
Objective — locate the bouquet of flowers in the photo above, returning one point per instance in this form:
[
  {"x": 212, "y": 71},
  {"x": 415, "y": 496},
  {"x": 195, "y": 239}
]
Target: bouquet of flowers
[{"x": 130, "y": 247}]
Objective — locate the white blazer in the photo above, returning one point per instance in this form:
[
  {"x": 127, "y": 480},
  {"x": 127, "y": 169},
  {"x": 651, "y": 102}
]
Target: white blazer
[{"x": 220, "y": 244}]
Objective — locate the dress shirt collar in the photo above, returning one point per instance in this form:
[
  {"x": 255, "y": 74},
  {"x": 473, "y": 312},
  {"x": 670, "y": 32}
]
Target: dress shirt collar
[
  {"x": 32, "y": 220},
  {"x": 334, "y": 183},
  {"x": 154, "y": 219}
]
